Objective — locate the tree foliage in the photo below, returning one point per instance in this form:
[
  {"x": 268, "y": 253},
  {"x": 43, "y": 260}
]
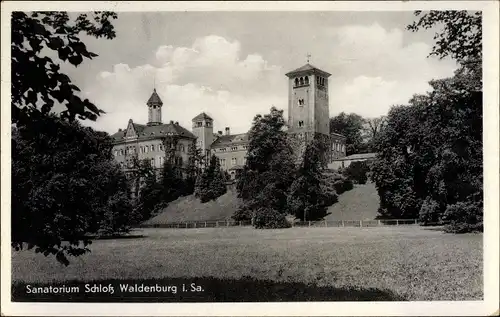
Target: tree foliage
[
  {"x": 211, "y": 184},
  {"x": 65, "y": 188},
  {"x": 306, "y": 198},
  {"x": 267, "y": 175},
  {"x": 357, "y": 172},
  {"x": 350, "y": 126},
  {"x": 430, "y": 152},
  {"x": 37, "y": 80}
]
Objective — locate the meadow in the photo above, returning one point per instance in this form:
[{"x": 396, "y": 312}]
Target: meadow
[{"x": 379, "y": 263}]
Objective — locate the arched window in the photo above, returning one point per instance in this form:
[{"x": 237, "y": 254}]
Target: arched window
[
  {"x": 152, "y": 147},
  {"x": 318, "y": 80},
  {"x": 301, "y": 81},
  {"x": 306, "y": 80},
  {"x": 296, "y": 82},
  {"x": 153, "y": 162}
]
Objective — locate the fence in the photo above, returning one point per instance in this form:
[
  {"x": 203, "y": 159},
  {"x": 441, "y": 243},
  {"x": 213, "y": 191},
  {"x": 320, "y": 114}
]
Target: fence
[{"x": 320, "y": 223}]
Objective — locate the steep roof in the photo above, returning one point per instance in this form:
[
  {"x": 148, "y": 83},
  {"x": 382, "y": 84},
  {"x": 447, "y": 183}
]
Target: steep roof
[
  {"x": 225, "y": 140},
  {"x": 154, "y": 99},
  {"x": 202, "y": 116},
  {"x": 150, "y": 132},
  {"x": 305, "y": 68}
]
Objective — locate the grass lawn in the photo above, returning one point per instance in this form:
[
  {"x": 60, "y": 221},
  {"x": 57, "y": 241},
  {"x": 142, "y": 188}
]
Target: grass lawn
[
  {"x": 395, "y": 263},
  {"x": 360, "y": 203}
]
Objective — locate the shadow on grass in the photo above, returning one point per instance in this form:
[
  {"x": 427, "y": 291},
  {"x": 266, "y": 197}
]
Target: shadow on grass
[{"x": 206, "y": 289}]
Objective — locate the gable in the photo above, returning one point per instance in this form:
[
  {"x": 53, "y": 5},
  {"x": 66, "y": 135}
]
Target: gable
[{"x": 130, "y": 133}]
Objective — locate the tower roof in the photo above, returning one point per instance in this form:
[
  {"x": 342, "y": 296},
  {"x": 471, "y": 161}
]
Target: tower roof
[
  {"x": 307, "y": 68},
  {"x": 154, "y": 98},
  {"x": 202, "y": 116}
]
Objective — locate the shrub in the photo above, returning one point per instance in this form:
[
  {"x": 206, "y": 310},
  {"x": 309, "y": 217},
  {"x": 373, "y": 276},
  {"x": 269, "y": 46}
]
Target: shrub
[
  {"x": 464, "y": 217},
  {"x": 242, "y": 214},
  {"x": 343, "y": 185},
  {"x": 266, "y": 218},
  {"x": 430, "y": 212},
  {"x": 357, "y": 172}
]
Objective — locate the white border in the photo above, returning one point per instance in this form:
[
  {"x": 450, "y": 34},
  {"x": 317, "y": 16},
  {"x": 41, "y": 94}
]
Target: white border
[{"x": 487, "y": 307}]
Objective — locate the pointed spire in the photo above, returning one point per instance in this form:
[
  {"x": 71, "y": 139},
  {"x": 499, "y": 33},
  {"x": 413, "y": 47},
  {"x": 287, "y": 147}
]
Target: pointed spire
[{"x": 154, "y": 99}]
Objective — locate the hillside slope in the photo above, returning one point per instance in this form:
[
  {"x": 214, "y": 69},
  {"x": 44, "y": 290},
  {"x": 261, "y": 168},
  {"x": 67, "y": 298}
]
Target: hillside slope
[
  {"x": 360, "y": 203},
  {"x": 190, "y": 208}
]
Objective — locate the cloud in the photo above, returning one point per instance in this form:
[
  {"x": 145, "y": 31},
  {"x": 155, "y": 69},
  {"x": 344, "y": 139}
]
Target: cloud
[
  {"x": 210, "y": 76},
  {"x": 372, "y": 69},
  {"x": 375, "y": 69}
]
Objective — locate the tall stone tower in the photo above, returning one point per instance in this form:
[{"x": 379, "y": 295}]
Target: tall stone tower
[
  {"x": 154, "y": 109},
  {"x": 308, "y": 106},
  {"x": 204, "y": 131}
]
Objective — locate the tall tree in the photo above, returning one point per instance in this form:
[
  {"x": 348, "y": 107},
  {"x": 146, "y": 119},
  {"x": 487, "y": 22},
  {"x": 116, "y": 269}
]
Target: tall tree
[
  {"x": 371, "y": 129},
  {"x": 351, "y": 126},
  {"x": 66, "y": 187},
  {"x": 210, "y": 184},
  {"x": 37, "y": 82},
  {"x": 430, "y": 153},
  {"x": 306, "y": 197},
  {"x": 267, "y": 175}
]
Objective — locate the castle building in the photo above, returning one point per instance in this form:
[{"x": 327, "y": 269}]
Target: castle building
[
  {"x": 308, "y": 118},
  {"x": 147, "y": 141}
]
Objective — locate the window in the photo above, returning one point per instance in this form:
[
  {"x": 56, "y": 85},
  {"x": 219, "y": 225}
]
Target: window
[
  {"x": 301, "y": 102},
  {"x": 152, "y": 147},
  {"x": 234, "y": 148},
  {"x": 301, "y": 81},
  {"x": 199, "y": 124},
  {"x": 343, "y": 148},
  {"x": 160, "y": 161},
  {"x": 306, "y": 80},
  {"x": 233, "y": 161},
  {"x": 153, "y": 162},
  {"x": 296, "y": 82},
  {"x": 223, "y": 162},
  {"x": 121, "y": 152},
  {"x": 223, "y": 149},
  {"x": 301, "y": 124},
  {"x": 160, "y": 147},
  {"x": 146, "y": 148}
]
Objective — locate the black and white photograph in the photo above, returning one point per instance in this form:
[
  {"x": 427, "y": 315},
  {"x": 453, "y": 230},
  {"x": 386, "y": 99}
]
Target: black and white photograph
[{"x": 285, "y": 153}]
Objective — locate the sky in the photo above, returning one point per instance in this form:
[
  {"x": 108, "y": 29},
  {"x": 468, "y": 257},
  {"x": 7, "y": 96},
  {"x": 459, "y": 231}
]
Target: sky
[{"x": 232, "y": 65}]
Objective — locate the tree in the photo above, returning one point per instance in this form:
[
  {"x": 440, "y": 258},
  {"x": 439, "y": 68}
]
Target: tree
[
  {"x": 210, "y": 185},
  {"x": 357, "y": 172},
  {"x": 37, "y": 82},
  {"x": 371, "y": 129},
  {"x": 430, "y": 152},
  {"x": 194, "y": 167},
  {"x": 66, "y": 188},
  {"x": 350, "y": 126},
  {"x": 306, "y": 197},
  {"x": 267, "y": 175}
]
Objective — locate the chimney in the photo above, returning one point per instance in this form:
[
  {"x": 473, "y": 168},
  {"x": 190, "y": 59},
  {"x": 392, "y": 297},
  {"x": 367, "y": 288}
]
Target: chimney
[
  {"x": 227, "y": 131},
  {"x": 176, "y": 122},
  {"x": 120, "y": 130},
  {"x": 171, "y": 121},
  {"x": 219, "y": 133}
]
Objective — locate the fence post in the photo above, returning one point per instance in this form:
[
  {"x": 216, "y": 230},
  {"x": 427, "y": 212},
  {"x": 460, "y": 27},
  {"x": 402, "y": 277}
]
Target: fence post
[
  {"x": 216, "y": 223},
  {"x": 416, "y": 222},
  {"x": 343, "y": 225},
  {"x": 195, "y": 224},
  {"x": 186, "y": 224},
  {"x": 326, "y": 224},
  {"x": 397, "y": 222},
  {"x": 309, "y": 223},
  {"x": 240, "y": 223},
  {"x": 205, "y": 224},
  {"x": 227, "y": 223},
  {"x": 361, "y": 223},
  {"x": 379, "y": 222}
]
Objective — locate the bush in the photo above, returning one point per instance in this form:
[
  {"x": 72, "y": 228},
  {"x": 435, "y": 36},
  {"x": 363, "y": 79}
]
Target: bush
[
  {"x": 242, "y": 214},
  {"x": 343, "y": 185},
  {"x": 464, "y": 217},
  {"x": 430, "y": 212},
  {"x": 357, "y": 172},
  {"x": 266, "y": 218}
]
